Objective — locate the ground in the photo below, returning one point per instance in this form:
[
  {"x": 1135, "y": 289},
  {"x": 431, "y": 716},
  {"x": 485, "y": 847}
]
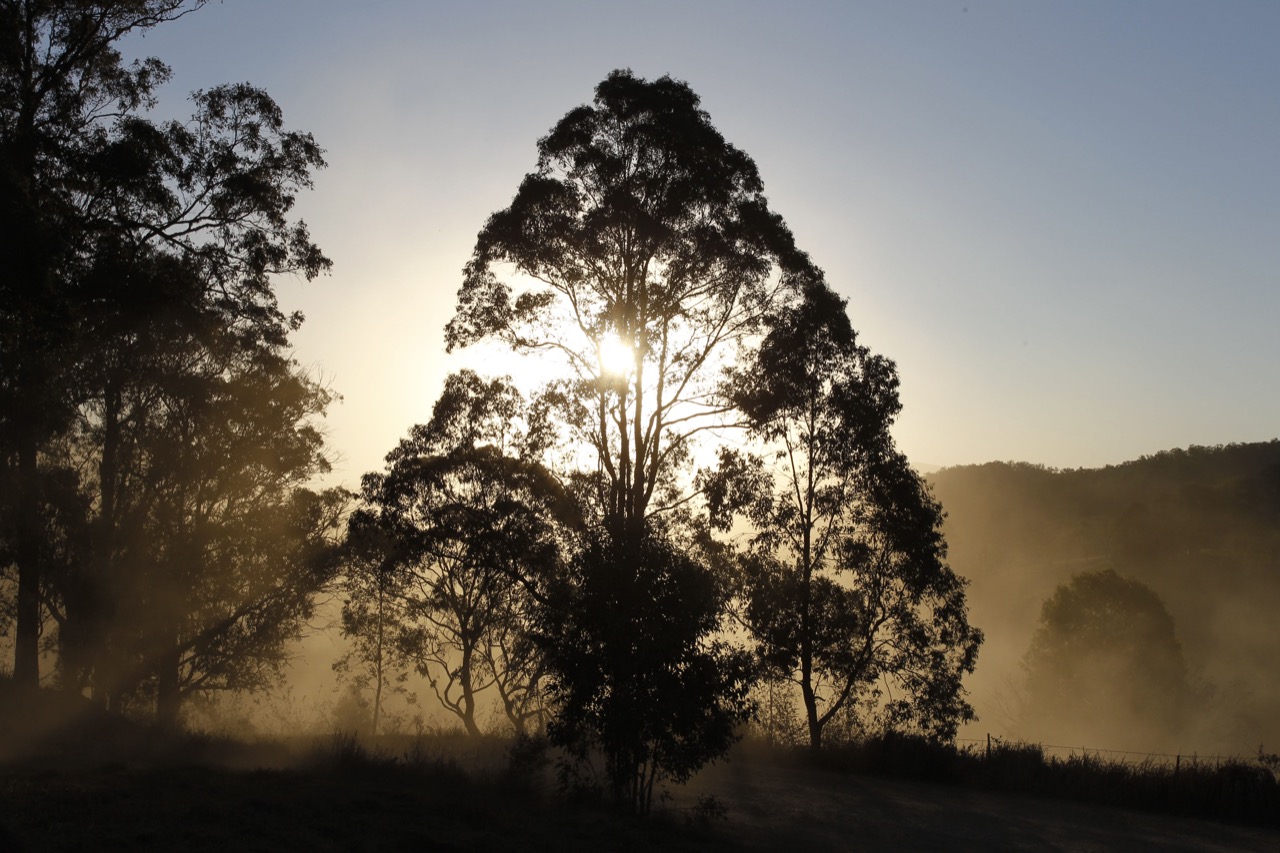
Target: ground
[
  {"x": 772, "y": 807},
  {"x": 352, "y": 805}
]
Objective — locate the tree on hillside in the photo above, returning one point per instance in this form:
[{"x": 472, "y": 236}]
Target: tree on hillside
[
  {"x": 1198, "y": 525},
  {"x": 1105, "y": 662},
  {"x": 846, "y": 590},
  {"x": 473, "y": 522},
  {"x": 95, "y": 200}
]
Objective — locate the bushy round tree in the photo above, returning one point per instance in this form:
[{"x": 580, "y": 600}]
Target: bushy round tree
[
  {"x": 640, "y": 670},
  {"x": 1105, "y": 665}
]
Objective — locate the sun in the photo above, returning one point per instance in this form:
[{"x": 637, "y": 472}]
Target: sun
[{"x": 616, "y": 357}]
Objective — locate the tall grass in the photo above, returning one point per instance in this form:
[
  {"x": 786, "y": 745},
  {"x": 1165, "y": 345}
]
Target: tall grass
[{"x": 1236, "y": 790}]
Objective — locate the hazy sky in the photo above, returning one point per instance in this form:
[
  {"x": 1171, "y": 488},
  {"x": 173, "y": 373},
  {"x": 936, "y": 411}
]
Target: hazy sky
[{"x": 1061, "y": 220}]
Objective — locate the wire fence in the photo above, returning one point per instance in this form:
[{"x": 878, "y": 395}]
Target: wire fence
[{"x": 1110, "y": 756}]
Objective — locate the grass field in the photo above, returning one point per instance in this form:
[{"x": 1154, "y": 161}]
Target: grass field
[
  {"x": 104, "y": 783},
  {"x": 330, "y": 809},
  {"x": 448, "y": 793}
]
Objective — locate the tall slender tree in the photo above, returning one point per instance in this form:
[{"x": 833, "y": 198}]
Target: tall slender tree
[
  {"x": 374, "y": 612},
  {"x": 847, "y": 592},
  {"x": 61, "y": 77}
]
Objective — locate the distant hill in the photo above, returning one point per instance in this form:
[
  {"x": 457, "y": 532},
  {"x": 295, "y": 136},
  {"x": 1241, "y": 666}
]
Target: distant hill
[{"x": 1200, "y": 526}]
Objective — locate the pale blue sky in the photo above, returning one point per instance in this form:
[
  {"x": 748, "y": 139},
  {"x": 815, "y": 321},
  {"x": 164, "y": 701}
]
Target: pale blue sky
[{"x": 1061, "y": 220}]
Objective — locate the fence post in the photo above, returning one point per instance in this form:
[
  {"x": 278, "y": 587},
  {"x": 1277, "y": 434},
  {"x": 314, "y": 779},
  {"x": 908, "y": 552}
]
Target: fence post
[{"x": 988, "y": 745}]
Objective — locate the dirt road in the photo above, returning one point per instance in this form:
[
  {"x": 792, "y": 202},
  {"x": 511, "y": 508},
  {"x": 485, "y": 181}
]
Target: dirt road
[{"x": 773, "y": 807}]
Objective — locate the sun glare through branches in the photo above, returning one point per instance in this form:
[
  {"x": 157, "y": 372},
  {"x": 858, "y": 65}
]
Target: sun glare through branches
[{"x": 617, "y": 357}]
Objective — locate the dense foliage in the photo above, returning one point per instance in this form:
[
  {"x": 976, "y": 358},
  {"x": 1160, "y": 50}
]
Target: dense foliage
[
  {"x": 642, "y": 260},
  {"x": 156, "y": 438},
  {"x": 846, "y": 591},
  {"x": 640, "y": 667}
]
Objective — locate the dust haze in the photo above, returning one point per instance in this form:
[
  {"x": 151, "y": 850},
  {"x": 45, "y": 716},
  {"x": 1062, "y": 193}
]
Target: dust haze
[{"x": 1190, "y": 539}]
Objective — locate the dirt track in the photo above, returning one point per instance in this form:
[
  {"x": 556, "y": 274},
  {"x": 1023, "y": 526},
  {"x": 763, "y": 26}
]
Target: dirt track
[{"x": 774, "y": 807}]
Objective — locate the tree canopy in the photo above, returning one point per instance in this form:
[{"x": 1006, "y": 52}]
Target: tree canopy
[{"x": 642, "y": 231}]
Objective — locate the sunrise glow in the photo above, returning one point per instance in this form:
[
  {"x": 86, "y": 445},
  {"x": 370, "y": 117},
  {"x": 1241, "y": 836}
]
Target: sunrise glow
[{"x": 617, "y": 358}]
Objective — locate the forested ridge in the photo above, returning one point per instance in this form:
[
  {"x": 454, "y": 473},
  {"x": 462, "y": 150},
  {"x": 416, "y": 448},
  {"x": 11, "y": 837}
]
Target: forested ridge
[{"x": 1200, "y": 526}]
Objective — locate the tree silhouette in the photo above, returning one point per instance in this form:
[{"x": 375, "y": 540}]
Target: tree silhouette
[
  {"x": 640, "y": 669},
  {"x": 95, "y": 198},
  {"x": 640, "y": 256},
  {"x": 845, "y": 585},
  {"x": 1105, "y": 661},
  {"x": 472, "y": 519},
  {"x": 643, "y": 252}
]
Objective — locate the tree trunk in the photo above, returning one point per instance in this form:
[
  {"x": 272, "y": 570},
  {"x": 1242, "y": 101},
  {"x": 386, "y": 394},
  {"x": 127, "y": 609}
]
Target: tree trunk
[
  {"x": 468, "y": 695},
  {"x": 806, "y": 570},
  {"x": 168, "y": 689},
  {"x": 87, "y": 592},
  {"x": 378, "y": 672},
  {"x": 26, "y": 653},
  {"x": 29, "y": 267},
  {"x": 811, "y": 712}
]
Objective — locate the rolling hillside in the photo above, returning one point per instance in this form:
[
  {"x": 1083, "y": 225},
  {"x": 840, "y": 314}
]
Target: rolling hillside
[{"x": 1200, "y": 526}]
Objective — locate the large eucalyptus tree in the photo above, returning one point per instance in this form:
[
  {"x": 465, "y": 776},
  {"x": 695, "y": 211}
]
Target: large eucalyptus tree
[{"x": 639, "y": 259}]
